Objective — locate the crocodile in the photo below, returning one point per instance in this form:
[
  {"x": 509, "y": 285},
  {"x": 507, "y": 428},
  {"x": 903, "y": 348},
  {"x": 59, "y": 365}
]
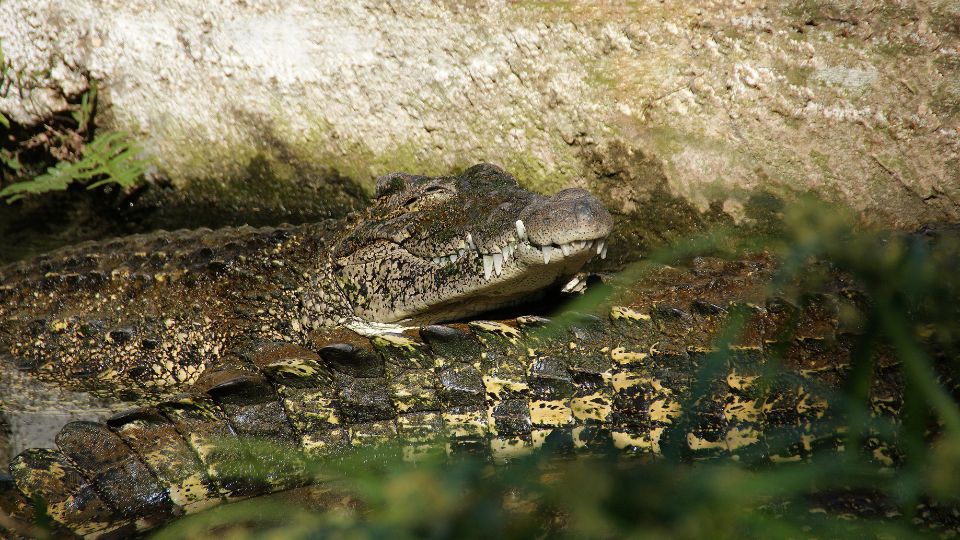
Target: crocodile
[
  {"x": 645, "y": 375},
  {"x": 91, "y": 329},
  {"x": 280, "y": 334}
]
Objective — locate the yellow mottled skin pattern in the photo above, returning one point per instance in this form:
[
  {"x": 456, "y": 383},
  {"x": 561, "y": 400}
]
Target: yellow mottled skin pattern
[{"x": 504, "y": 388}]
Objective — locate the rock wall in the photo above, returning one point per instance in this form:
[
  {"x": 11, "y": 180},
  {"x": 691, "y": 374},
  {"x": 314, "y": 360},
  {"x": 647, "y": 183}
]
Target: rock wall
[{"x": 678, "y": 113}]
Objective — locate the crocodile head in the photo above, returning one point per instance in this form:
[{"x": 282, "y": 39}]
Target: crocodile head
[{"x": 442, "y": 248}]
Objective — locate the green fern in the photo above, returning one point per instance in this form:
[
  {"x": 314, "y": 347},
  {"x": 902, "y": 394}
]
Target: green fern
[
  {"x": 108, "y": 158},
  {"x": 85, "y": 112},
  {"x": 9, "y": 159}
]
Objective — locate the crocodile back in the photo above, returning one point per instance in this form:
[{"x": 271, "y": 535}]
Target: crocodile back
[{"x": 95, "y": 328}]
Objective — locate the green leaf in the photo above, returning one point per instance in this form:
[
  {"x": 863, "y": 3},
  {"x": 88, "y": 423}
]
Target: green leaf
[
  {"x": 10, "y": 160},
  {"x": 3, "y": 63},
  {"x": 110, "y": 158}
]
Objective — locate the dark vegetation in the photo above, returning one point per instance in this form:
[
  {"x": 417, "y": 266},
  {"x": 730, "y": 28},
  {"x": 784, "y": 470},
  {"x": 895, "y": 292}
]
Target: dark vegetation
[
  {"x": 59, "y": 180},
  {"x": 65, "y": 151}
]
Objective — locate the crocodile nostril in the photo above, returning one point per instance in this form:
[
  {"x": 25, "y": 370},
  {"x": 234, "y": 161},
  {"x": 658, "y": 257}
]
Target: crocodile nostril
[
  {"x": 584, "y": 210},
  {"x": 571, "y": 194}
]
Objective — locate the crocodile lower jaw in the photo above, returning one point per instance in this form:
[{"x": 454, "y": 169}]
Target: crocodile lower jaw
[
  {"x": 524, "y": 277},
  {"x": 524, "y": 253}
]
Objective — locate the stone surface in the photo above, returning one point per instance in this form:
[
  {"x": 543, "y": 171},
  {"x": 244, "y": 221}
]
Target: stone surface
[{"x": 679, "y": 114}]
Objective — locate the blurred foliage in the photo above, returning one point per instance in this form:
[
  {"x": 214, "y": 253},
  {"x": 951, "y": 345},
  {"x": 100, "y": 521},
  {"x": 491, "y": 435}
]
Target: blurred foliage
[
  {"x": 910, "y": 302},
  {"x": 375, "y": 493}
]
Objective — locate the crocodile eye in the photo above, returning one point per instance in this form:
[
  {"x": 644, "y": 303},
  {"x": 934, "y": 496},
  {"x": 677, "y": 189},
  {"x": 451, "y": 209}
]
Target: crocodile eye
[{"x": 430, "y": 193}]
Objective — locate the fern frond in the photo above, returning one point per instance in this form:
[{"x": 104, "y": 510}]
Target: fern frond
[{"x": 110, "y": 158}]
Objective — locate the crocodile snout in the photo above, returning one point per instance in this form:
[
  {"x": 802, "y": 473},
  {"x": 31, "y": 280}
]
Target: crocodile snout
[{"x": 570, "y": 215}]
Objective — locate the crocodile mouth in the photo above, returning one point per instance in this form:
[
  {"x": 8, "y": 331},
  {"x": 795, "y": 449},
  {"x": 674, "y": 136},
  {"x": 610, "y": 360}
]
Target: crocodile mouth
[
  {"x": 511, "y": 271},
  {"x": 520, "y": 250}
]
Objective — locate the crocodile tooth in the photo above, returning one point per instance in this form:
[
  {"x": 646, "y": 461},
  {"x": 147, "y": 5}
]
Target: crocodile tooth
[
  {"x": 599, "y": 245},
  {"x": 498, "y": 263},
  {"x": 470, "y": 241},
  {"x": 603, "y": 254},
  {"x": 576, "y": 284},
  {"x": 487, "y": 266},
  {"x": 547, "y": 250},
  {"x": 521, "y": 230},
  {"x": 507, "y": 252},
  {"x": 453, "y": 258},
  {"x": 462, "y": 253},
  {"x": 566, "y": 249},
  {"x": 436, "y": 260}
]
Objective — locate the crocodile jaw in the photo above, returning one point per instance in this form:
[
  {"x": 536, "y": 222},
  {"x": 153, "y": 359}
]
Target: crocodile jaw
[{"x": 520, "y": 278}]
